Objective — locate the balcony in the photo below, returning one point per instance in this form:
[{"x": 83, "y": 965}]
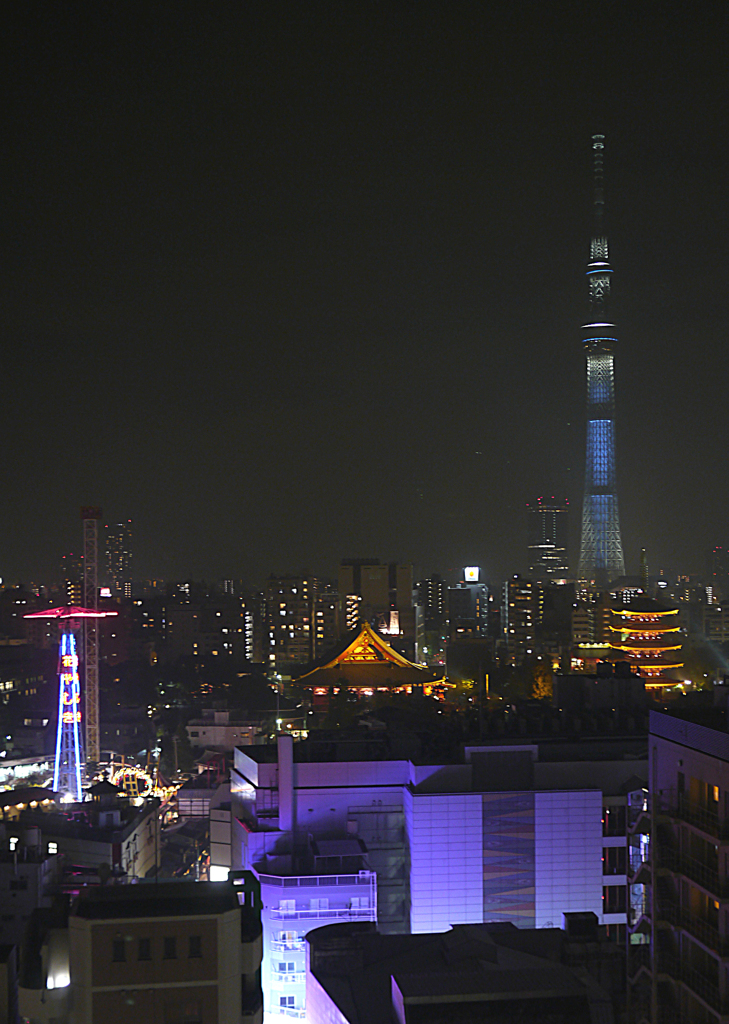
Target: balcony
[
  {"x": 295, "y": 945},
  {"x": 695, "y": 870},
  {"x": 640, "y": 874},
  {"x": 309, "y": 881},
  {"x": 289, "y": 977},
  {"x": 706, "y": 933},
  {"x": 704, "y": 989},
  {"x": 326, "y": 914},
  {"x": 638, "y": 957},
  {"x": 678, "y": 805}
]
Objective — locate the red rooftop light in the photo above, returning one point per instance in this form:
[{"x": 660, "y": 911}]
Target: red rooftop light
[{"x": 69, "y": 611}]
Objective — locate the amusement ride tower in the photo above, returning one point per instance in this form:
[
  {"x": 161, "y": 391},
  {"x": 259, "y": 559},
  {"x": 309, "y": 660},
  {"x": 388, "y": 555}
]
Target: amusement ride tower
[
  {"x": 68, "y": 772},
  {"x": 601, "y": 550}
]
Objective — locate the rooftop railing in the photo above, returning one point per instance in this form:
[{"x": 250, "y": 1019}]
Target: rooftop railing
[
  {"x": 329, "y": 914},
  {"x": 309, "y": 881}
]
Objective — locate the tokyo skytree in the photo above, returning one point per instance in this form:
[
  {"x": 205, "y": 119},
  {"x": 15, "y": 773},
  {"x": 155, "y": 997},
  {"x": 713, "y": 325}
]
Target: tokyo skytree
[{"x": 601, "y": 550}]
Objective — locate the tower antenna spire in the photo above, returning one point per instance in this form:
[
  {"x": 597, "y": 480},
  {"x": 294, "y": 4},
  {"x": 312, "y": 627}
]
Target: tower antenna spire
[{"x": 598, "y": 153}]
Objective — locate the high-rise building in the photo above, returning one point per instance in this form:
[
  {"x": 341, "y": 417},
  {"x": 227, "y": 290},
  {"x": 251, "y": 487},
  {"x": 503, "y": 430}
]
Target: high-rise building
[
  {"x": 72, "y": 577},
  {"x": 431, "y": 598},
  {"x": 381, "y": 594},
  {"x": 119, "y": 558},
  {"x": 719, "y": 571},
  {"x": 468, "y": 606},
  {"x": 301, "y": 619},
  {"x": 547, "y": 538},
  {"x": 601, "y": 549},
  {"x": 521, "y": 614}
]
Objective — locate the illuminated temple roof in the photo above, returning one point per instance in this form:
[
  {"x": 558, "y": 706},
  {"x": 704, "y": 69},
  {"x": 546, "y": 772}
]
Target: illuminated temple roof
[
  {"x": 365, "y": 659},
  {"x": 647, "y": 634}
]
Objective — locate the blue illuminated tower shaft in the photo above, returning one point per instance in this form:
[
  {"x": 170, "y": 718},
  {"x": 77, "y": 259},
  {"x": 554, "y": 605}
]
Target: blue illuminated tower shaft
[
  {"x": 601, "y": 549},
  {"x": 68, "y": 771}
]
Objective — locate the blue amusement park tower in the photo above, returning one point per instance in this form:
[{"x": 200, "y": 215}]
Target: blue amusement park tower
[
  {"x": 601, "y": 550},
  {"x": 69, "y": 768}
]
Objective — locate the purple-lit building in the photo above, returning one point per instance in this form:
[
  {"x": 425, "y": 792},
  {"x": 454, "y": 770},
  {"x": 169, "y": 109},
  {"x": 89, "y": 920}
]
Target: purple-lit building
[{"x": 519, "y": 833}]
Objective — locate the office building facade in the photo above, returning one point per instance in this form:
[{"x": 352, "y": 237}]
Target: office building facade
[
  {"x": 119, "y": 558},
  {"x": 547, "y": 533}
]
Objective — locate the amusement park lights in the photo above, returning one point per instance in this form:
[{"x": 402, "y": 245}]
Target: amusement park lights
[
  {"x": 68, "y": 742},
  {"x": 68, "y": 770}
]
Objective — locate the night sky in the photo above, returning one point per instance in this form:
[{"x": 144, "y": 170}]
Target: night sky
[{"x": 291, "y": 282}]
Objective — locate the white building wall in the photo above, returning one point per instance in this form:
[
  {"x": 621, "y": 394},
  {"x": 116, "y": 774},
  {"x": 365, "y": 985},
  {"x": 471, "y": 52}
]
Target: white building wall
[
  {"x": 292, "y": 907},
  {"x": 445, "y": 832},
  {"x": 567, "y": 854}
]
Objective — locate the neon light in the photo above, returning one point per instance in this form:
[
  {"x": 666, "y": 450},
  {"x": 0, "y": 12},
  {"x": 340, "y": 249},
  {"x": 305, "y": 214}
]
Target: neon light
[
  {"x": 68, "y": 765},
  {"x": 76, "y": 719},
  {"x": 61, "y": 695},
  {"x": 71, "y": 611}
]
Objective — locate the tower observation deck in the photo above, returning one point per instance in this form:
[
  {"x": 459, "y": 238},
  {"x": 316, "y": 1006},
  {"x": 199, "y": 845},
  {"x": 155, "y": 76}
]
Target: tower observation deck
[{"x": 601, "y": 549}]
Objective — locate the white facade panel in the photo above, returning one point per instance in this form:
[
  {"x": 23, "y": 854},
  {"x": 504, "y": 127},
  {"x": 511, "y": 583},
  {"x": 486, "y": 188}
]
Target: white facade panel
[
  {"x": 446, "y": 860},
  {"x": 567, "y": 855}
]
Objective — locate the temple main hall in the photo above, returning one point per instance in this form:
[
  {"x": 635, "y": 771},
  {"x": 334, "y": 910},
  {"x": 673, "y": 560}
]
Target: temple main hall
[{"x": 366, "y": 664}]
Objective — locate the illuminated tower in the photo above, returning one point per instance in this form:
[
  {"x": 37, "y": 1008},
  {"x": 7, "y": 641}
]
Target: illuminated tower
[
  {"x": 601, "y": 550},
  {"x": 68, "y": 772}
]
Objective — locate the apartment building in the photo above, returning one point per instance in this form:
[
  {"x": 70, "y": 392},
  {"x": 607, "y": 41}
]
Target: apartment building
[{"x": 678, "y": 961}]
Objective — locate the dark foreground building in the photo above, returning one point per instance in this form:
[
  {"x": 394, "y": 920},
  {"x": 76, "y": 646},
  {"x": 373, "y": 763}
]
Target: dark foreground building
[
  {"x": 678, "y": 956},
  {"x": 496, "y": 973},
  {"x": 160, "y": 953}
]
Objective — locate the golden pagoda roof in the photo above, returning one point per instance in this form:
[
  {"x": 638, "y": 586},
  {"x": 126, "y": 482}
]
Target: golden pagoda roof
[
  {"x": 653, "y": 627},
  {"x": 365, "y": 653}
]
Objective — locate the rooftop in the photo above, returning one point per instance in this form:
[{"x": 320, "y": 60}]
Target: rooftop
[
  {"x": 703, "y": 729},
  {"x": 453, "y": 972},
  {"x": 157, "y": 899},
  {"x": 364, "y": 748}
]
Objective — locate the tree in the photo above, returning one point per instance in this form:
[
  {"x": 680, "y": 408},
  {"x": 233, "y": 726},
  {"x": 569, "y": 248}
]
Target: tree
[
  {"x": 342, "y": 707},
  {"x": 702, "y": 662},
  {"x": 542, "y": 681}
]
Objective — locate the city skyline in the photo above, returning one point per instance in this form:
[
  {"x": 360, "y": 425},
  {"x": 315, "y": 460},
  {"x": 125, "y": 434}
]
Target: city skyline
[{"x": 284, "y": 291}]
